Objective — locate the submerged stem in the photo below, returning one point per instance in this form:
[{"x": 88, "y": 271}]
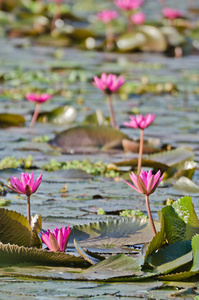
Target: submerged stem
[
  {"x": 112, "y": 115},
  {"x": 28, "y": 210},
  {"x": 140, "y": 151},
  {"x": 149, "y": 215},
  {"x": 35, "y": 115}
]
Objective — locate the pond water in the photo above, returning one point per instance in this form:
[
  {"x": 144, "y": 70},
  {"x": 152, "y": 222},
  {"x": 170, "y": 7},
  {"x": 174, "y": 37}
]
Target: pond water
[{"x": 176, "y": 124}]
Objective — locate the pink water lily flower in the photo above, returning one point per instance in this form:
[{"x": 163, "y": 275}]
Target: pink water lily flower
[
  {"x": 108, "y": 83},
  {"x": 140, "y": 121},
  {"x": 107, "y": 15},
  {"x": 138, "y": 18},
  {"x": 171, "y": 13},
  {"x": 128, "y": 4},
  {"x": 26, "y": 185},
  {"x": 57, "y": 239},
  {"x": 145, "y": 183},
  {"x": 38, "y": 98}
]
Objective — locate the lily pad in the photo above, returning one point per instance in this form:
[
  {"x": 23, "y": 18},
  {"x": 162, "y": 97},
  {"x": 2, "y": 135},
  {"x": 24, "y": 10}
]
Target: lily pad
[
  {"x": 181, "y": 221},
  {"x": 185, "y": 185},
  {"x": 155, "y": 40},
  {"x": 89, "y": 139},
  {"x": 13, "y": 254},
  {"x": 145, "y": 38},
  {"x": 59, "y": 115},
  {"x": 113, "y": 234},
  {"x": 15, "y": 229},
  {"x": 9, "y": 120}
]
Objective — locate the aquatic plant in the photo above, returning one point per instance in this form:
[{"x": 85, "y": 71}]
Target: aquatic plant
[
  {"x": 142, "y": 122},
  {"x": 138, "y": 18},
  {"x": 106, "y": 16},
  {"x": 26, "y": 186},
  {"x": 128, "y": 6},
  {"x": 171, "y": 13},
  {"x": 109, "y": 84},
  {"x": 57, "y": 239},
  {"x": 146, "y": 184},
  {"x": 38, "y": 99}
]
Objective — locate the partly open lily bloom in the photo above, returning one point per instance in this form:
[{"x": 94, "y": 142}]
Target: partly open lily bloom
[
  {"x": 171, "y": 13},
  {"x": 107, "y": 15},
  {"x": 26, "y": 185},
  {"x": 38, "y": 98},
  {"x": 57, "y": 239},
  {"x": 140, "y": 121},
  {"x": 128, "y": 4},
  {"x": 145, "y": 183},
  {"x": 108, "y": 83},
  {"x": 138, "y": 18}
]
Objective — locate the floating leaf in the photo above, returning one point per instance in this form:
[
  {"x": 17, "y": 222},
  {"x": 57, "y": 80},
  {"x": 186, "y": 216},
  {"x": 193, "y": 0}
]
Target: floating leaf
[
  {"x": 172, "y": 157},
  {"x": 7, "y": 120},
  {"x": 157, "y": 240},
  {"x": 59, "y": 115},
  {"x": 169, "y": 253},
  {"x": 13, "y": 254},
  {"x": 155, "y": 40},
  {"x": 90, "y": 257},
  {"x": 117, "y": 266},
  {"x": 162, "y": 160},
  {"x": 145, "y": 38},
  {"x": 89, "y": 138},
  {"x": 186, "y": 169},
  {"x": 186, "y": 185},
  {"x": 195, "y": 267},
  {"x": 181, "y": 222},
  {"x": 131, "y": 41},
  {"x": 113, "y": 233},
  {"x": 132, "y": 146},
  {"x": 97, "y": 118},
  {"x": 15, "y": 229}
]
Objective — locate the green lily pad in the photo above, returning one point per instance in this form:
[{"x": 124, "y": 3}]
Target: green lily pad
[
  {"x": 59, "y": 115},
  {"x": 89, "y": 139},
  {"x": 155, "y": 40},
  {"x": 173, "y": 36},
  {"x": 15, "y": 229},
  {"x": 9, "y": 120},
  {"x": 184, "y": 169},
  {"x": 113, "y": 234},
  {"x": 185, "y": 185},
  {"x": 145, "y": 38},
  {"x": 117, "y": 266},
  {"x": 13, "y": 254},
  {"x": 97, "y": 118},
  {"x": 131, "y": 41},
  {"x": 181, "y": 221}
]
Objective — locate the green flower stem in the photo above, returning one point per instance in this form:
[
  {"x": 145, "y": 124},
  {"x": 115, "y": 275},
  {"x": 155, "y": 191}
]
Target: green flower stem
[
  {"x": 28, "y": 210},
  {"x": 112, "y": 115},
  {"x": 35, "y": 115},
  {"x": 149, "y": 215},
  {"x": 140, "y": 151}
]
